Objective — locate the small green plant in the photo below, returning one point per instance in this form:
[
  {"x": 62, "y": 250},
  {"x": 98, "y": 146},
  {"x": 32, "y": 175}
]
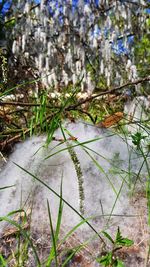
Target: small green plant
[
  {"x": 137, "y": 138},
  {"x": 110, "y": 259}
]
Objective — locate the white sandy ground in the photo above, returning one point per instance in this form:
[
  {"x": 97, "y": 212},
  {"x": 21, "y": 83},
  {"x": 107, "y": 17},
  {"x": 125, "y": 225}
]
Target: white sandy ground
[{"x": 118, "y": 166}]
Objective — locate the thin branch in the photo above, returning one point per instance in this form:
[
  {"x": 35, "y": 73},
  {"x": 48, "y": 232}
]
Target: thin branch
[
  {"x": 71, "y": 107},
  {"x": 22, "y": 104},
  {"x": 86, "y": 113},
  {"x": 110, "y": 91}
]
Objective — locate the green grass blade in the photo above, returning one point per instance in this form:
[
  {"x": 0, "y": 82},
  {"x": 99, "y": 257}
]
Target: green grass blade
[
  {"x": 55, "y": 193},
  {"x": 59, "y": 217},
  {"x": 75, "y": 250},
  {"x": 118, "y": 194},
  {"x": 3, "y": 263},
  {"x": 101, "y": 170},
  {"x": 75, "y": 228},
  {"x": 63, "y": 133},
  {"x": 17, "y": 211},
  {"x": 6, "y": 187},
  {"x": 72, "y": 146},
  {"x": 53, "y": 239}
]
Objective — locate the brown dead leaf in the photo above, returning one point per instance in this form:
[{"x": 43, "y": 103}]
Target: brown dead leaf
[
  {"x": 13, "y": 231},
  {"x": 5, "y": 117},
  {"x": 73, "y": 138},
  {"x": 111, "y": 120}
]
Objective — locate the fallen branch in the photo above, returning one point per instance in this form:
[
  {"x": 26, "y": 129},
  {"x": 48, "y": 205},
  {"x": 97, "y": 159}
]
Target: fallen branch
[{"x": 110, "y": 91}]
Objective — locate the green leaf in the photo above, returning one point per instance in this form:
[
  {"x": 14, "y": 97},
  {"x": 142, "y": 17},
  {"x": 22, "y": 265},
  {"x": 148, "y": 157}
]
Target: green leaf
[
  {"x": 122, "y": 241},
  {"x": 108, "y": 237},
  {"x": 118, "y": 263},
  {"x": 118, "y": 235},
  {"x": 125, "y": 242},
  {"x": 105, "y": 260},
  {"x": 137, "y": 138}
]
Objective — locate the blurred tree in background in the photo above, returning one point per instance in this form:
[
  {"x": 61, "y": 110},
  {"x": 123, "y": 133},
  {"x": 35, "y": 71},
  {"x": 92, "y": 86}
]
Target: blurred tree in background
[{"x": 104, "y": 43}]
